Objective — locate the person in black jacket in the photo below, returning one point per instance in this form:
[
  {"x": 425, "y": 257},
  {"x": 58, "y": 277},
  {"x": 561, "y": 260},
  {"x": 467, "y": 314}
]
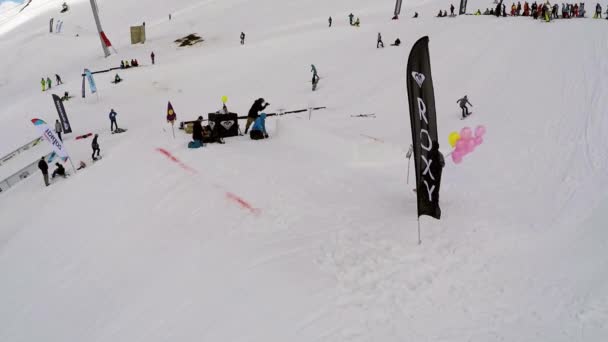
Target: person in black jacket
[
  {"x": 59, "y": 171},
  {"x": 256, "y": 108},
  {"x": 95, "y": 147},
  {"x": 197, "y": 130},
  {"x": 44, "y": 167},
  {"x": 452, "y": 10}
]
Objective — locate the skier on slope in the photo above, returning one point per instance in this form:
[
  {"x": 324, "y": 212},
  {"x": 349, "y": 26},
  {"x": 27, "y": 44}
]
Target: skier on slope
[
  {"x": 112, "y": 117},
  {"x": 44, "y": 167},
  {"x": 95, "y": 146},
  {"x": 463, "y": 105},
  {"x": 58, "y": 129},
  {"x": 257, "y": 107}
]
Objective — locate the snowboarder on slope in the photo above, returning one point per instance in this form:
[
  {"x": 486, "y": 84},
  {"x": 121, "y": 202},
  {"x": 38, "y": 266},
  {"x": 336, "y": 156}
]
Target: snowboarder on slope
[
  {"x": 463, "y": 105},
  {"x": 58, "y": 129},
  {"x": 95, "y": 146},
  {"x": 350, "y": 19},
  {"x": 44, "y": 167},
  {"x": 113, "y": 120},
  {"x": 58, "y": 79},
  {"x": 257, "y": 107},
  {"x": 59, "y": 171}
]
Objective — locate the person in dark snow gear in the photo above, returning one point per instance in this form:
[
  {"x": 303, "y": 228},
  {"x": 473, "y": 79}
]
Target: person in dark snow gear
[
  {"x": 497, "y": 10},
  {"x": 152, "y": 57},
  {"x": 504, "y": 10},
  {"x": 315, "y": 76},
  {"x": 59, "y": 171},
  {"x": 463, "y": 105},
  {"x": 135, "y": 63},
  {"x": 357, "y": 23},
  {"x": 350, "y": 19},
  {"x": 397, "y": 42},
  {"x": 436, "y": 169},
  {"x": 197, "y": 132},
  {"x": 112, "y": 117},
  {"x": 169, "y": 16},
  {"x": 117, "y": 79},
  {"x": 95, "y": 146},
  {"x": 329, "y": 21},
  {"x": 58, "y": 79},
  {"x": 598, "y": 11},
  {"x": 58, "y": 129},
  {"x": 44, "y": 167},
  {"x": 81, "y": 165},
  {"x": 211, "y": 136},
  {"x": 379, "y": 43},
  {"x": 452, "y": 10},
  {"x": 122, "y": 64},
  {"x": 518, "y": 9},
  {"x": 66, "y": 96},
  {"x": 48, "y": 83},
  {"x": 415, "y": 15},
  {"x": 257, "y": 107},
  {"x": 242, "y": 38},
  {"x": 258, "y": 131}
]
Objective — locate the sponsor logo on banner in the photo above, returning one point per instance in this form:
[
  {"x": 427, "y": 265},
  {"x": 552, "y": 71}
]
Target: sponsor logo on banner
[
  {"x": 227, "y": 124},
  {"x": 419, "y": 78}
]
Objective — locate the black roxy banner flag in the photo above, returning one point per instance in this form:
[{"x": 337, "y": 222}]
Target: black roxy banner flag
[
  {"x": 63, "y": 116},
  {"x": 424, "y": 129},
  {"x": 463, "y": 7},
  {"x": 398, "y": 7}
]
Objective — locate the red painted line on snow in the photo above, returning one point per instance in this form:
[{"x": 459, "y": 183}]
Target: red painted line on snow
[
  {"x": 175, "y": 160},
  {"x": 244, "y": 204}
]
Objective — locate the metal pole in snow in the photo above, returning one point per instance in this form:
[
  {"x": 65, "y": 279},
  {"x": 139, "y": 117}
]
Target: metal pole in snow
[
  {"x": 74, "y": 168},
  {"x": 309, "y": 112},
  {"x": 419, "y": 239}
]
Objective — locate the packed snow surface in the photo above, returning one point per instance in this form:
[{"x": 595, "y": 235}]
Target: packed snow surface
[{"x": 310, "y": 235}]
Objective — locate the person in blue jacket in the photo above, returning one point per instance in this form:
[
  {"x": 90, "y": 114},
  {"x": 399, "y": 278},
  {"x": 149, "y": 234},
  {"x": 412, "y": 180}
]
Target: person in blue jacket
[
  {"x": 113, "y": 120},
  {"x": 258, "y": 131}
]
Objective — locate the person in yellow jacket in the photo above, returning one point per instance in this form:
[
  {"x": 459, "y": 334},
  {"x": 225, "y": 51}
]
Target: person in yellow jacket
[{"x": 43, "y": 83}]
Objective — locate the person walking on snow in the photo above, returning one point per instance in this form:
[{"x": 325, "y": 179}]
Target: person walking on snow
[
  {"x": 43, "y": 83},
  {"x": 257, "y": 107},
  {"x": 452, "y": 10},
  {"x": 113, "y": 120},
  {"x": 58, "y": 129},
  {"x": 379, "y": 43},
  {"x": 242, "y": 38},
  {"x": 58, "y": 79},
  {"x": 152, "y": 57},
  {"x": 313, "y": 69},
  {"x": 44, "y": 167},
  {"x": 463, "y": 105},
  {"x": 350, "y": 19},
  {"x": 95, "y": 146},
  {"x": 329, "y": 20},
  {"x": 48, "y": 83},
  {"x": 598, "y": 11}
]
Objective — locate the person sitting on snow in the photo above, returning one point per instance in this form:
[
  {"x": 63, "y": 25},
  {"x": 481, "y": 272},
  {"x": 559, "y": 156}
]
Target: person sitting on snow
[
  {"x": 397, "y": 42},
  {"x": 65, "y": 97},
  {"x": 135, "y": 63},
  {"x": 59, "y": 171},
  {"x": 258, "y": 131},
  {"x": 415, "y": 15},
  {"x": 117, "y": 79}
]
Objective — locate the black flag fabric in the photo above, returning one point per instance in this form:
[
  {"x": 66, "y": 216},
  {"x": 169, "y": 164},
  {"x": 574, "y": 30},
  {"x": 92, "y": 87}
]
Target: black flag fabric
[
  {"x": 398, "y": 7},
  {"x": 463, "y": 7},
  {"x": 424, "y": 129},
  {"x": 63, "y": 116}
]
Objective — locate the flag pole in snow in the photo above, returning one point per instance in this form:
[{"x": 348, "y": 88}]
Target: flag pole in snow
[
  {"x": 419, "y": 239},
  {"x": 99, "y": 29}
]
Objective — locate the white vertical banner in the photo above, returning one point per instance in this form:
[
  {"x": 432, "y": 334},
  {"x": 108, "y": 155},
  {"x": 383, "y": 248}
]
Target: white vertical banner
[{"x": 49, "y": 135}]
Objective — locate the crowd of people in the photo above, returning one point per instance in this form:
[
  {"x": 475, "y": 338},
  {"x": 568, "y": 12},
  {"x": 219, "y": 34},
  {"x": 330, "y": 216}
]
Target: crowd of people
[
  {"x": 47, "y": 83},
  {"x": 544, "y": 11}
]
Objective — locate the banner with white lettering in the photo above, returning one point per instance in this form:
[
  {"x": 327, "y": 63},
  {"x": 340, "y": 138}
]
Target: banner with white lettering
[
  {"x": 49, "y": 135},
  {"x": 424, "y": 129},
  {"x": 63, "y": 116}
]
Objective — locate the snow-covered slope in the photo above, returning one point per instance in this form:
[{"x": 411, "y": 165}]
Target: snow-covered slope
[{"x": 310, "y": 235}]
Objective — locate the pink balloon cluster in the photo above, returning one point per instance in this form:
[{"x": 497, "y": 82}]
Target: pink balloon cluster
[{"x": 467, "y": 142}]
